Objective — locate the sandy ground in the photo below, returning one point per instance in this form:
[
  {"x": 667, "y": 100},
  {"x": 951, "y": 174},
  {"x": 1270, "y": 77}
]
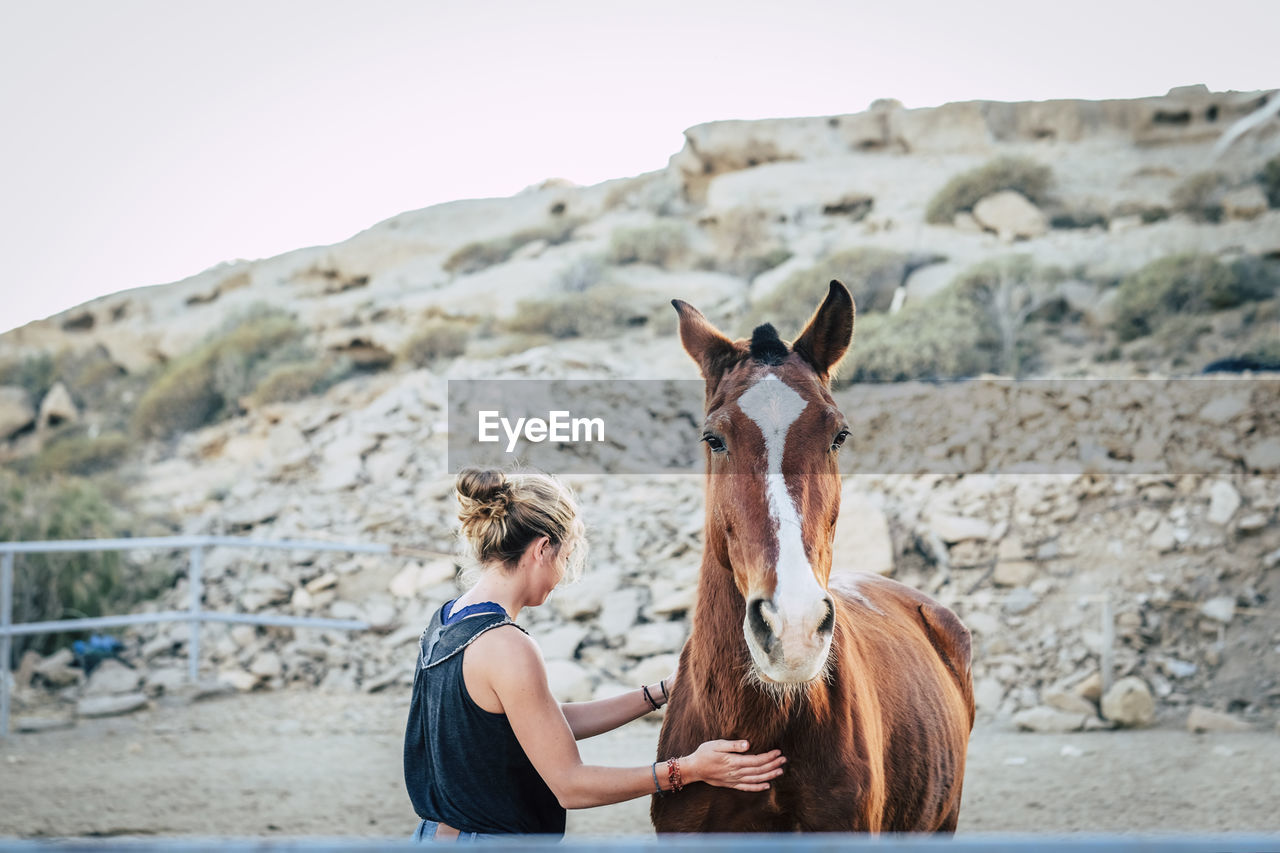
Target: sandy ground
[{"x": 311, "y": 764}]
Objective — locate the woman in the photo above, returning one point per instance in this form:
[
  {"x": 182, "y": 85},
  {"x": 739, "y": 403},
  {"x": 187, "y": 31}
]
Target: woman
[{"x": 488, "y": 749}]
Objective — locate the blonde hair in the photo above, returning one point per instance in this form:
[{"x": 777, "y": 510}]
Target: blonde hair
[{"x": 503, "y": 512}]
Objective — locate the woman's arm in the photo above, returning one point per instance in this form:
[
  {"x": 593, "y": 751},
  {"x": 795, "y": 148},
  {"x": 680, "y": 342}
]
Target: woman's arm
[
  {"x": 512, "y": 666},
  {"x": 588, "y": 719}
]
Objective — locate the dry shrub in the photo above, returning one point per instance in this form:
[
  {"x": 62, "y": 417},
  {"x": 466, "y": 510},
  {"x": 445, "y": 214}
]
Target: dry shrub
[
  {"x": 293, "y": 381},
  {"x": 661, "y": 244},
  {"x": 599, "y": 312},
  {"x": 965, "y": 190},
  {"x": 1189, "y": 285},
  {"x": 483, "y": 254},
  {"x": 1200, "y": 196},
  {"x": 438, "y": 339},
  {"x": 78, "y": 453}
]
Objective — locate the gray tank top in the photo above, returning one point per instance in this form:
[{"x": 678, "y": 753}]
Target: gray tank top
[{"x": 463, "y": 765}]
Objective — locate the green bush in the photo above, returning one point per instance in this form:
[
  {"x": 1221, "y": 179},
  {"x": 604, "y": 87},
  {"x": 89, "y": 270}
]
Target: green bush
[
  {"x": 64, "y": 586},
  {"x": 661, "y": 244},
  {"x": 298, "y": 380},
  {"x": 1200, "y": 196},
  {"x": 1188, "y": 285},
  {"x": 483, "y": 254},
  {"x": 872, "y": 275},
  {"x": 965, "y": 190},
  {"x": 978, "y": 324},
  {"x": 80, "y": 454},
  {"x": 438, "y": 339},
  {"x": 206, "y": 384},
  {"x": 1270, "y": 179},
  {"x": 36, "y": 373},
  {"x": 598, "y": 313}
]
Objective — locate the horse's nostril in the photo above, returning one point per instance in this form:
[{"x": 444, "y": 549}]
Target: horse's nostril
[
  {"x": 828, "y": 623},
  {"x": 760, "y": 625}
]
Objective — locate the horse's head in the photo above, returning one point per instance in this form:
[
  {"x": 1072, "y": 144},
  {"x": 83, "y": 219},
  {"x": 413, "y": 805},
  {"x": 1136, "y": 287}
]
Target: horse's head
[{"x": 772, "y": 433}]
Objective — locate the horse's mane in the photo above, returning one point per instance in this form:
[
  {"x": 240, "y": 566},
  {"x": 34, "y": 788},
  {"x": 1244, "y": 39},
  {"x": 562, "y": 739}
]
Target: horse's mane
[{"x": 767, "y": 347}]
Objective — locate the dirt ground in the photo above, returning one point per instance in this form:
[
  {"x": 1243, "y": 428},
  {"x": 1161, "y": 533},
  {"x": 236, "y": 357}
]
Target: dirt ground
[{"x": 313, "y": 764}]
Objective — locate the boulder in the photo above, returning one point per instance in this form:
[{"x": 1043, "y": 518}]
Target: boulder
[
  {"x": 957, "y": 528},
  {"x": 239, "y": 679},
  {"x": 1263, "y": 456},
  {"x": 16, "y": 411},
  {"x": 569, "y": 681},
  {"x": 1224, "y": 500},
  {"x": 111, "y": 678},
  {"x": 267, "y": 665},
  {"x": 111, "y": 706},
  {"x": 1221, "y": 608},
  {"x": 1011, "y": 216},
  {"x": 57, "y": 671},
  {"x": 1072, "y": 703},
  {"x": 862, "y": 541},
  {"x": 34, "y": 724},
  {"x": 57, "y": 407},
  {"x": 1129, "y": 703},
  {"x": 1207, "y": 720},
  {"x": 655, "y": 638},
  {"x": 1244, "y": 203},
  {"x": 167, "y": 682},
  {"x": 1050, "y": 720}
]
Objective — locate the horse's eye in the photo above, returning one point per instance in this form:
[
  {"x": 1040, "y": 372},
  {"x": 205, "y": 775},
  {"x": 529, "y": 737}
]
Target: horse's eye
[
  {"x": 839, "y": 439},
  {"x": 714, "y": 442}
]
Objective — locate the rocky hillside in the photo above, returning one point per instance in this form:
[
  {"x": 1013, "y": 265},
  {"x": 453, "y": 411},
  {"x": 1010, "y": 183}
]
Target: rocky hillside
[{"x": 305, "y": 396}]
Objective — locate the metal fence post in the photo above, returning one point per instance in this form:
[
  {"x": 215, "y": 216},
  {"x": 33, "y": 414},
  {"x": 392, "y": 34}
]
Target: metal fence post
[
  {"x": 196, "y": 580},
  {"x": 1108, "y": 643},
  {"x": 6, "y": 640}
]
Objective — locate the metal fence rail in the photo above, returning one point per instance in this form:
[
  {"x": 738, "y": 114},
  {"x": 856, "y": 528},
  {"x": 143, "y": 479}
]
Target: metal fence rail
[
  {"x": 817, "y": 843},
  {"x": 194, "y": 614}
]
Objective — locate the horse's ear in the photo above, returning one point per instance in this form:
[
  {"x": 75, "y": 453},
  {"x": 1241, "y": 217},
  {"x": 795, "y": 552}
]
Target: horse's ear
[
  {"x": 706, "y": 345},
  {"x": 826, "y": 338}
]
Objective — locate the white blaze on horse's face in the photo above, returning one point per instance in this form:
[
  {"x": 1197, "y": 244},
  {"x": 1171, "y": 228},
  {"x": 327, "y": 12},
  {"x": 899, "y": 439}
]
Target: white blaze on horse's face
[{"x": 788, "y": 634}]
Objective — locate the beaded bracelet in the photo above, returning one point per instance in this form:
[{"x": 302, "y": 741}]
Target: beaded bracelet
[
  {"x": 673, "y": 775},
  {"x": 652, "y": 704}
]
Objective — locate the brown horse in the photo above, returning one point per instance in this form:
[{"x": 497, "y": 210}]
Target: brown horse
[{"x": 862, "y": 682}]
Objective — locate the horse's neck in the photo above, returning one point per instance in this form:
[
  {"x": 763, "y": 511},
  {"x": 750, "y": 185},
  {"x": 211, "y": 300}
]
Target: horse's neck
[{"x": 720, "y": 664}]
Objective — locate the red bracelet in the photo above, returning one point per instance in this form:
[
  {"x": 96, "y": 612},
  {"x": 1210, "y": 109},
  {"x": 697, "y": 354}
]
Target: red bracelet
[{"x": 673, "y": 775}]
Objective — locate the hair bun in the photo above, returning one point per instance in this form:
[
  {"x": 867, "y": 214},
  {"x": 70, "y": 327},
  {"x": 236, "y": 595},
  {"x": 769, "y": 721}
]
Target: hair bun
[{"x": 486, "y": 492}]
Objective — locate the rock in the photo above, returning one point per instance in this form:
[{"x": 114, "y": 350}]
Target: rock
[
  {"x": 981, "y": 623},
  {"x": 1207, "y": 720},
  {"x": 167, "y": 682},
  {"x": 1220, "y": 410},
  {"x": 1072, "y": 703},
  {"x": 1263, "y": 456},
  {"x": 34, "y": 724},
  {"x": 1013, "y": 573},
  {"x": 111, "y": 678},
  {"x": 569, "y": 681},
  {"x": 320, "y": 584},
  {"x": 1020, "y": 600},
  {"x": 1253, "y": 523},
  {"x": 264, "y": 590},
  {"x": 1220, "y": 609},
  {"x": 16, "y": 411},
  {"x": 652, "y": 670},
  {"x": 1245, "y": 203},
  {"x": 252, "y": 512},
  {"x": 958, "y": 528},
  {"x": 1224, "y": 500},
  {"x": 862, "y": 542},
  {"x": 1129, "y": 703},
  {"x": 988, "y": 693},
  {"x": 57, "y": 407},
  {"x": 675, "y": 602},
  {"x": 584, "y": 598},
  {"x": 1090, "y": 688},
  {"x": 561, "y": 643},
  {"x": 26, "y": 669},
  {"x": 383, "y": 618},
  {"x": 1049, "y": 720},
  {"x": 244, "y": 636},
  {"x": 619, "y": 613},
  {"x": 1162, "y": 539},
  {"x": 655, "y": 638},
  {"x": 56, "y": 669},
  {"x": 417, "y": 577},
  {"x": 301, "y": 599},
  {"x": 267, "y": 665},
  {"x": 111, "y": 706},
  {"x": 239, "y": 679},
  {"x": 1010, "y": 215},
  {"x": 964, "y": 221}
]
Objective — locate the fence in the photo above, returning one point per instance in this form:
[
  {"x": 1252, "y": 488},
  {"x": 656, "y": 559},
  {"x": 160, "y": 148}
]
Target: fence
[{"x": 194, "y": 614}]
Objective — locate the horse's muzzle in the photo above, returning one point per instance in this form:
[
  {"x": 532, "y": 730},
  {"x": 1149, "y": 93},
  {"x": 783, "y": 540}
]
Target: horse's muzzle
[{"x": 790, "y": 645}]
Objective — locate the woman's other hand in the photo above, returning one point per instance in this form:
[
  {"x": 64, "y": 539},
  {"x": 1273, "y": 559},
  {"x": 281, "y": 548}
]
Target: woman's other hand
[{"x": 725, "y": 764}]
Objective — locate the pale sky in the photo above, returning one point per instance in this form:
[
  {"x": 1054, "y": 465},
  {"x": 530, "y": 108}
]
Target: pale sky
[{"x": 146, "y": 140}]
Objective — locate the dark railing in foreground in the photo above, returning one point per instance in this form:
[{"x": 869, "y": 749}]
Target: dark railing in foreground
[
  {"x": 821, "y": 843},
  {"x": 194, "y": 614}
]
